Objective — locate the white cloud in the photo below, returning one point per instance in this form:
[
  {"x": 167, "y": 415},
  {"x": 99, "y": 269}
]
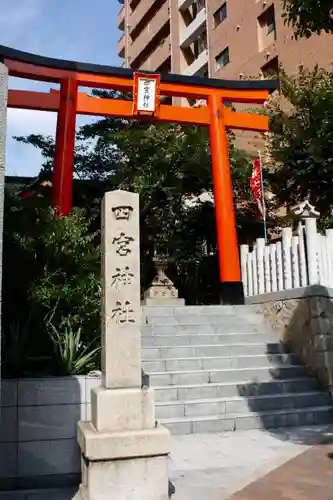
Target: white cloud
[
  {"x": 23, "y": 159},
  {"x": 41, "y": 27},
  {"x": 19, "y": 121}
]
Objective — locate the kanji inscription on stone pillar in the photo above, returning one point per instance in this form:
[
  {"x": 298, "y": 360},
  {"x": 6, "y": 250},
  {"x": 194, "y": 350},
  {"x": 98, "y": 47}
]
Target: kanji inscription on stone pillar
[{"x": 121, "y": 339}]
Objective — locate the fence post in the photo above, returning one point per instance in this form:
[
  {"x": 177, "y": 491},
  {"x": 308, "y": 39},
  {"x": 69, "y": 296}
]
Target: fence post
[
  {"x": 279, "y": 266},
  {"x": 302, "y": 256},
  {"x": 322, "y": 257},
  {"x": 244, "y": 250},
  {"x": 250, "y": 273},
  {"x": 274, "y": 286},
  {"x": 307, "y": 213},
  {"x": 329, "y": 239},
  {"x": 295, "y": 261},
  {"x": 260, "y": 265},
  {"x": 286, "y": 257},
  {"x": 268, "y": 280},
  {"x": 255, "y": 270}
]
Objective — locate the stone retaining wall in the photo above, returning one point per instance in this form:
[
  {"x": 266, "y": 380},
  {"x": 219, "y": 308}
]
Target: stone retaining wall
[
  {"x": 304, "y": 318},
  {"x": 38, "y": 430}
]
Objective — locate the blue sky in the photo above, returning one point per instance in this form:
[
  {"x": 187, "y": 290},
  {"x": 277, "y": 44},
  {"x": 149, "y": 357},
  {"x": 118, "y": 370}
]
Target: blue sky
[{"x": 79, "y": 30}]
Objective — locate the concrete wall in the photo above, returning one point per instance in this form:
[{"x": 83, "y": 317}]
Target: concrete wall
[
  {"x": 304, "y": 318},
  {"x": 38, "y": 430}
]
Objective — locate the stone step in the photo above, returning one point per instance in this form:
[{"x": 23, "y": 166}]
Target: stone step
[
  {"x": 242, "y": 388},
  {"x": 238, "y": 404},
  {"x": 199, "y": 310},
  {"x": 317, "y": 415},
  {"x": 204, "y": 329},
  {"x": 254, "y": 375},
  {"x": 217, "y": 363},
  {"x": 196, "y": 320},
  {"x": 198, "y": 351},
  {"x": 185, "y": 339}
]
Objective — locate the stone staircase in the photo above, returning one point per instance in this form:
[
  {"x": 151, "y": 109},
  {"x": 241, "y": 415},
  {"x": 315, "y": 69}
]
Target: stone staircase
[{"x": 222, "y": 368}]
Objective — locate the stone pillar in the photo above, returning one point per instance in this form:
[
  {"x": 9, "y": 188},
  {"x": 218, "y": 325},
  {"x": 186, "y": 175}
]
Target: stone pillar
[
  {"x": 125, "y": 453},
  {"x": 3, "y": 126}
]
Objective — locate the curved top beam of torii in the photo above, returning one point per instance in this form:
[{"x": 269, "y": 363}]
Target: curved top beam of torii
[{"x": 58, "y": 68}]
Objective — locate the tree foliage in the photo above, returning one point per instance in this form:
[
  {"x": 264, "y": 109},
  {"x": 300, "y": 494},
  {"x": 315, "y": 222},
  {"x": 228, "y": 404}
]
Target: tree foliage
[
  {"x": 308, "y": 17},
  {"x": 301, "y": 139},
  {"x": 51, "y": 272},
  {"x": 169, "y": 166},
  {"x": 166, "y": 164}
]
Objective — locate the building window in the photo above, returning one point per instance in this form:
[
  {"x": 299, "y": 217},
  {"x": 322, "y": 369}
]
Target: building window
[
  {"x": 202, "y": 42},
  {"x": 222, "y": 59},
  {"x": 271, "y": 69},
  {"x": 270, "y": 21},
  {"x": 199, "y": 5},
  {"x": 220, "y": 15},
  {"x": 266, "y": 28}
]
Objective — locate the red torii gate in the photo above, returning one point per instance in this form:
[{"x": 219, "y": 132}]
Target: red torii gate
[{"x": 68, "y": 102}]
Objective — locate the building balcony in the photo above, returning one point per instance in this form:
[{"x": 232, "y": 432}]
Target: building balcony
[
  {"x": 121, "y": 19},
  {"x": 160, "y": 54},
  {"x": 134, "y": 3},
  {"x": 149, "y": 32},
  {"x": 139, "y": 13},
  {"x": 184, "y": 4},
  {"x": 199, "y": 65},
  {"x": 121, "y": 46},
  {"x": 193, "y": 30}
]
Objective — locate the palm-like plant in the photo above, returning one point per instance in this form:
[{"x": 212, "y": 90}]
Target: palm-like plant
[{"x": 73, "y": 356}]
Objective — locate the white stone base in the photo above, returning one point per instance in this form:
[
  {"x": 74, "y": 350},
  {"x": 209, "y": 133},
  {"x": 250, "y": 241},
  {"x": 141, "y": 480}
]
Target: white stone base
[
  {"x": 120, "y": 410},
  {"x": 116, "y": 445},
  {"x": 129, "y": 479},
  {"x": 172, "y": 302},
  {"x": 124, "y": 465}
]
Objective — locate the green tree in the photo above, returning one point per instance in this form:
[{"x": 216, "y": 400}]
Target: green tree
[
  {"x": 51, "y": 275},
  {"x": 165, "y": 163},
  {"x": 168, "y": 165},
  {"x": 308, "y": 17},
  {"x": 301, "y": 139}
]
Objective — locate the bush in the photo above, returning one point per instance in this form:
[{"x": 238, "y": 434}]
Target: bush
[{"x": 51, "y": 269}]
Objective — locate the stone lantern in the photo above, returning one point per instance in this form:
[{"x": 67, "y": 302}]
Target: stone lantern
[{"x": 162, "y": 291}]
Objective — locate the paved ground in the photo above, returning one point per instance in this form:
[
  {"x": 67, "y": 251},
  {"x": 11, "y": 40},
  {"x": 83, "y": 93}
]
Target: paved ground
[
  {"x": 309, "y": 476},
  {"x": 216, "y": 466}
]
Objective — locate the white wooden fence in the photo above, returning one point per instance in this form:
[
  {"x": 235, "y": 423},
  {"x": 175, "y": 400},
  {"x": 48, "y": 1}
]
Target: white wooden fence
[{"x": 300, "y": 259}]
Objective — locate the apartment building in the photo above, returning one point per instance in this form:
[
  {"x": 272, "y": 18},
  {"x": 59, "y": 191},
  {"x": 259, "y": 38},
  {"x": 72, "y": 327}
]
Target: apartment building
[{"x": 216, "y": 38}]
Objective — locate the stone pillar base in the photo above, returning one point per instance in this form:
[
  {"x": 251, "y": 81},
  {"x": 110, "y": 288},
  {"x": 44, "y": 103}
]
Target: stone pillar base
[
  {"x": 162, "y": 291},
  {"x": 172, "y": 302},
  {"x": 131, "y": 465}
]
